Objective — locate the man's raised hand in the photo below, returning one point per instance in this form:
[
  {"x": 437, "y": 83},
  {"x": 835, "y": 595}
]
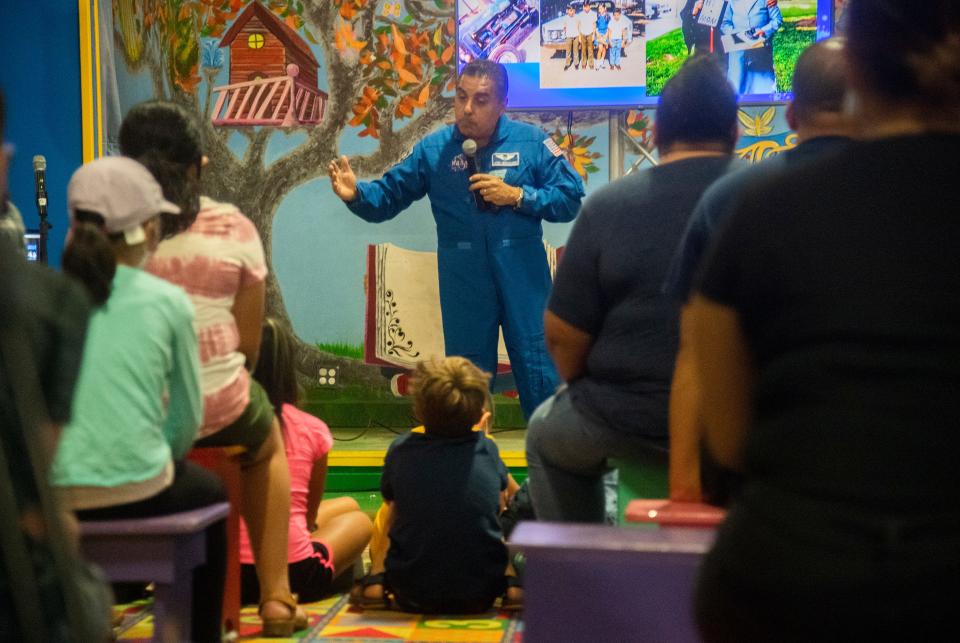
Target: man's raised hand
[{"x": 342, "y": 179}]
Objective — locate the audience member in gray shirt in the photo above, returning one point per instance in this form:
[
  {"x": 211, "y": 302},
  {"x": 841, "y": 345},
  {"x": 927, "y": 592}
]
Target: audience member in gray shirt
[{"x": 610, "y": 330}]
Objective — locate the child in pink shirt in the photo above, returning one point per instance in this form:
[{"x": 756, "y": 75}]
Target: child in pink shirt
[{"x": 325, "y": 537}]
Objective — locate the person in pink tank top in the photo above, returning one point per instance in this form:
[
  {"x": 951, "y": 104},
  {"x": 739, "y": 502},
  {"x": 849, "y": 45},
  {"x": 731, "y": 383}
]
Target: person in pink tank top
[{"x": 325, "y": 537}]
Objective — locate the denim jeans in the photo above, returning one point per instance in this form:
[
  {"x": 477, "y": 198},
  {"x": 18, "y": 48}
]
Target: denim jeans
[
  {"x": 615, "y": 50},
  {"x": 567, "y": 454}
]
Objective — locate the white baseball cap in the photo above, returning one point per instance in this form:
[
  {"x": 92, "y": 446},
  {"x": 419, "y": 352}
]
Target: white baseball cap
[{"x": 120, "y": 190}]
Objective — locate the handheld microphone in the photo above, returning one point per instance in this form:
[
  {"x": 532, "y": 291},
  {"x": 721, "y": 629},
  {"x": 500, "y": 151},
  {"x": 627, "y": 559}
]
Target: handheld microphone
[
  {"x": 40, "y": 178},
  {"x": 469, "y": 148}
]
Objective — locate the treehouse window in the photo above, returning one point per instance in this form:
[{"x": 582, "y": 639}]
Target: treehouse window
[{"x": 255, "y": 41}]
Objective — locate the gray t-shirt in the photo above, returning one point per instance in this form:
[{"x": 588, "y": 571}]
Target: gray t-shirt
[{"x": 608, "y": 284}]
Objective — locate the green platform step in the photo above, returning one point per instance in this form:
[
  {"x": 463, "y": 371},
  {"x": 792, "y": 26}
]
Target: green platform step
[{"x": 644, "y": 478}]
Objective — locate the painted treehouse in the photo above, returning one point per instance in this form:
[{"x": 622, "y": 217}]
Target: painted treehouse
[{"x": 273, "y": 74}]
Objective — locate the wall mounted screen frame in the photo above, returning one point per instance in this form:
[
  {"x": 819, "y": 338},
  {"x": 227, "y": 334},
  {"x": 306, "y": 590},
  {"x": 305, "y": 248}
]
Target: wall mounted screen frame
[{"x": 529, "y": 37}]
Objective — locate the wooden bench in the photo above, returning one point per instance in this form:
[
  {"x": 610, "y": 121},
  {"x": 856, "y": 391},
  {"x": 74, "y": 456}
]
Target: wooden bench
[
  {"x": 601, "y": 583},
  {"x": 163, "y": 550}
]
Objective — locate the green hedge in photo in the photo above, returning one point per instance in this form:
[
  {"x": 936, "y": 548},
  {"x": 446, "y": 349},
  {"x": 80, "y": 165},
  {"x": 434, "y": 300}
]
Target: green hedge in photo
[
  {"x": 788, "y": 44},
  {"x": 665, "y": 56}
]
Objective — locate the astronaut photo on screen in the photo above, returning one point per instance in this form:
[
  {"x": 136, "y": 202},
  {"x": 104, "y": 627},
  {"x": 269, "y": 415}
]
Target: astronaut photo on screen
[{"x": 747, "y": 30}]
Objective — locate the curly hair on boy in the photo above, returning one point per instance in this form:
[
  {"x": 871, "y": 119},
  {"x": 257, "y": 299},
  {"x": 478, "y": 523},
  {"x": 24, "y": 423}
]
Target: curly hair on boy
[{"x": 450, "y": 395}]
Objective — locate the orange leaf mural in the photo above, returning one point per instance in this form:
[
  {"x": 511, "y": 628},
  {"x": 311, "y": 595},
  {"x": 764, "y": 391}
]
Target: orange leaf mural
[
  {"x": 406, "y": 77},
  {"x": 398, "y": 40},
  {"x": 407, "y": 61}
]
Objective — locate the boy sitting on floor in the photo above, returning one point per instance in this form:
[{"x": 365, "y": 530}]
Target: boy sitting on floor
[{"x": 445, "y": 551}]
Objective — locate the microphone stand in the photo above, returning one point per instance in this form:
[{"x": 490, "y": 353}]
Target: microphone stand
[{"x": 44, "y": 233}]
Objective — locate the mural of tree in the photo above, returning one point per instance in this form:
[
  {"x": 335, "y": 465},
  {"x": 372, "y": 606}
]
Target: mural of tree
[{"x": 388, "y": 67}]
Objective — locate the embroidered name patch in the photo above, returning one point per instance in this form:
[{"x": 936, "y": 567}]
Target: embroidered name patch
[
  {"x": 459, "y": 163},
  {"x": 505, "y": 159},
  {"x": 553, "y": 147}
]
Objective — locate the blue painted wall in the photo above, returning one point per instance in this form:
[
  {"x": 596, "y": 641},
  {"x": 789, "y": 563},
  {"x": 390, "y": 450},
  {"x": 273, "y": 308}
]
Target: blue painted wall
[{"x": 40, "y": 76}]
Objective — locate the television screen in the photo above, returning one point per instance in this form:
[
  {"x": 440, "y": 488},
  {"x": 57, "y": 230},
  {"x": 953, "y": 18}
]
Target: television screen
[
  {"x": 31, "y": 240},
  {"x": 632, "y": 47}
]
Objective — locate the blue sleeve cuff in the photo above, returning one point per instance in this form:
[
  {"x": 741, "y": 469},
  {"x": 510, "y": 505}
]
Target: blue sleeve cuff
[{"x": 529, "y": 196}]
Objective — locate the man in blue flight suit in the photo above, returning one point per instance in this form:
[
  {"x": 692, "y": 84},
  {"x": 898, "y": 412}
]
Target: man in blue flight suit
[
  {"x": 492, "y": 263},
  {"x": 751, "y": 71}
]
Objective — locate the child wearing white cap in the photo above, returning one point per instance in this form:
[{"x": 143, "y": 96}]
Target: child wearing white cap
[{"x": 138, "y": 402}]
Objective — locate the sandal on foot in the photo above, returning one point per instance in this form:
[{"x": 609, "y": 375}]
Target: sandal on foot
[
  {"x": 283, "y": 627},
  {"x": 509, "y": 603},
  {"x": 359, "y": 598}
]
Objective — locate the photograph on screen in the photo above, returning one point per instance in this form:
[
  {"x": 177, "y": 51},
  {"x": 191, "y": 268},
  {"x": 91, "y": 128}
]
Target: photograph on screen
[
  {"x": 504, "y": 31},
  {"x": 595, "y": 44},
  {"x": 523, "y": 35},
  {"x": 756, "y": 41},
  {"x": 567, "y": 54}
]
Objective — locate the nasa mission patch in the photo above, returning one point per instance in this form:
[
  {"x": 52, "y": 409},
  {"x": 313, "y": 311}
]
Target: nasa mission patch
[{"x": 459, "y": 163}]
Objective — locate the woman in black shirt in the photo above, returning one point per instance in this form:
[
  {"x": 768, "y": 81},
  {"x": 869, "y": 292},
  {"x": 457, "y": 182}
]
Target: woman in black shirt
[{"x": 827, "y": 337}]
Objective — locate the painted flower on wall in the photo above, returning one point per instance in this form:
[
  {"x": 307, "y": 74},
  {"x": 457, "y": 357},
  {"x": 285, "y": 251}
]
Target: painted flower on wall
[
  {"x": 639, "y": 127},
  {"x": 577, "y": 150}
]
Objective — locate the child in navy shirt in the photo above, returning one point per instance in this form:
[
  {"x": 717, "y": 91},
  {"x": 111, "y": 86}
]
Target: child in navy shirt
[{"x": 445, "y": 552}]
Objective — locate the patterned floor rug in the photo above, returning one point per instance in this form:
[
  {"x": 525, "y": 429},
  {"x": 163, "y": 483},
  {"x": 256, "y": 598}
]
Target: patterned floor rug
[{"x": 334, "y": 620}]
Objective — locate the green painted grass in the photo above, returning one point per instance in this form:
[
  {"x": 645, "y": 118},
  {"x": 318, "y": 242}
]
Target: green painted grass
[
  {"x": 353, "y": 351},
  {"x": 358, "y": 406}
]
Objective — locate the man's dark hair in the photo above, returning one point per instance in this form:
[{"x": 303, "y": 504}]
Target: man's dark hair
[
  {"x": 908, "y": 51},
  {"x": 698, "y": 105},
  {"x": 496, "y": 72},
  {"x": 820, "y": 79}
]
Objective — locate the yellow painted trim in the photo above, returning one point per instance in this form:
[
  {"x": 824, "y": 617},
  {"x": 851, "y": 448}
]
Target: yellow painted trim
[
  {"x": 98, "y": 89},
  {"x": 86, "y": 81},
  {"x": 374, "y": 458},
  {"x": 356, "y": 458}
]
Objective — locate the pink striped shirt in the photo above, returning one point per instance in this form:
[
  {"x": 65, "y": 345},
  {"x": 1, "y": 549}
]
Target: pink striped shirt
[
  {"x": 306, "y": 439},
  {"x": 215, "y": 258}
]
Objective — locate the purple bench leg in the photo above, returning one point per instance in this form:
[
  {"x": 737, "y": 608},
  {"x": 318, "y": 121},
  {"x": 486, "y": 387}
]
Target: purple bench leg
[{"x": 164, "y": 550}]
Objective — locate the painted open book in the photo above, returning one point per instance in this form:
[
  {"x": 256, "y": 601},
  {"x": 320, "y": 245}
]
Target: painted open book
[{"x": 403, "y": 324}]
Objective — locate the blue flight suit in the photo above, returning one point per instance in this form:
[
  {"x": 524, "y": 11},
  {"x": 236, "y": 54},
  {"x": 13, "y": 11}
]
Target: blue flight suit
[
  {"x": 751, "y": 71},
  {"x": 493, "y": 266}
]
